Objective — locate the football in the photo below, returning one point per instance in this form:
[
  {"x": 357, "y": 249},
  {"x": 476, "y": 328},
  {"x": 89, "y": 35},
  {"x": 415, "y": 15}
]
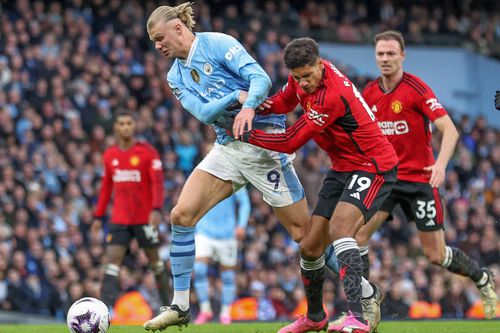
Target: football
[{"x": 88, "y": 315}]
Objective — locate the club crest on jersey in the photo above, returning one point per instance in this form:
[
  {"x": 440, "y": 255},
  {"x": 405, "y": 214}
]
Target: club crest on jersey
[
  {"x": 207, "y": 68},
  {"x": 134, "y": 160},
  {"x": 195, "y": 76},
  {"x": 396, "y": 106}
]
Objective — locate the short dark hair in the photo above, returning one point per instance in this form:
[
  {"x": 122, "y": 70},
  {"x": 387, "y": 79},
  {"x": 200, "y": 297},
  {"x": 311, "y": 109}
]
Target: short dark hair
[
  {"x": 301, "y": 52},
  {"x": 391, "y": 35},
  {"x": 125, "y": 113}
]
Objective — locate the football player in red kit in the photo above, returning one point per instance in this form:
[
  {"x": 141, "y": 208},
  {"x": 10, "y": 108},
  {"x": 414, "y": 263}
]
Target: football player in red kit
[
  {"x": 405, "y": 107},
  {"x": 133, "y": 173},
  {"x": 362, "y": 174}
]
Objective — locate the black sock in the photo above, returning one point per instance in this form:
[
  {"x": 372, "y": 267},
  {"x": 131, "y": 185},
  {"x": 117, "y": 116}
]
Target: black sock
[
  {"x": 313, "y": 278},
  {"x": 110, "y": 289},
  {"x": 366, "y": 262},
  {"x": 462, "y": 264},
  {"x": 351, "y": 270}
]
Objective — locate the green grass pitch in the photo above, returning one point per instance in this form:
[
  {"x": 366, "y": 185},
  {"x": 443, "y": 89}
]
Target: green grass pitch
[{"x": 385, "y": 327}]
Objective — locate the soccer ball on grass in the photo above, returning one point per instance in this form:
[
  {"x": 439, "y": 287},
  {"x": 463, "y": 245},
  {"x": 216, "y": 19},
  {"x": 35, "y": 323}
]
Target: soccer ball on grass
[{"x": 88, "y": 315}]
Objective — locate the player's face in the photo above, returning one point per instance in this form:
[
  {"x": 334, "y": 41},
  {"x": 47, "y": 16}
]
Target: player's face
[
  {"x": 309, "y": 76},
  {"x": 389, "y": 57},
  {"x": 167, "y": 38},
  {"x": 125, "y": 127}
]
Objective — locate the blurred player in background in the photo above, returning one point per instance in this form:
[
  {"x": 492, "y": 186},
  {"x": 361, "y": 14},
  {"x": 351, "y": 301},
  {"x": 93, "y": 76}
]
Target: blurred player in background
[
  {"x": 362, "y": 174},
  {"x": 133, "y": 174},
  {"x": 405, "y": 107},
  {"x": 217, "y": 236}
]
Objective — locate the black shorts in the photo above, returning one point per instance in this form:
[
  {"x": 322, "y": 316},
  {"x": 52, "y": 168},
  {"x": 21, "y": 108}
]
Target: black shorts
[
  {"x": 121, "y": 234},
  {"x": 420, "y": 203},
  {"x": 365, "y": 190}
]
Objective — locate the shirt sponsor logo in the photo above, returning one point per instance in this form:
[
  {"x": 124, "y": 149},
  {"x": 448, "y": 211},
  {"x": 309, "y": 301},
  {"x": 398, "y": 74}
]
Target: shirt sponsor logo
[
  {"x": 394, "y": 127},
  {"x": 214, "y": 90},
  {"x": 433, "y": 104},
  {"x": 232, "y": 52},
  {"x": 134, "y": 160},
  {"x": 123, "y": 176},
  {"x": 316, "y": 117},
  {"x": 207, "y": 68},
  {"x": 396, "y": 107}
]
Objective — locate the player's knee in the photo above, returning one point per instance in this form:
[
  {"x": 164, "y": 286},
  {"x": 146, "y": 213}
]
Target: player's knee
[
  {"x": 157, "y": 267},
  {"x": 435, "y": 257},
  {"x": 362, "y": 238},
  {"x": 181, "y": 217},
  {"x": 310, "y": 250}
]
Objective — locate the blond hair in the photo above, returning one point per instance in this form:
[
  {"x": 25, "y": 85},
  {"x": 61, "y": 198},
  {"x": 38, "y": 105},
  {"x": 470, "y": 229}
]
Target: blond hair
[
  {"x": 184, "y": 12},
  {"x": 391, "y": 35}
]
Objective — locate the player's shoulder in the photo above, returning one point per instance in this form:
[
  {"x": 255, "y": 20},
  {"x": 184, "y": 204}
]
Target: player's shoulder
[
  {"x": 110, "y": 151},
  {"x": 173, "y": 72},
  {"x": 146, "y": 146},
  {"x": 415, "y": 83},
  {"x": 214, "y": 40},
  {"x": 371, "y": 86}
]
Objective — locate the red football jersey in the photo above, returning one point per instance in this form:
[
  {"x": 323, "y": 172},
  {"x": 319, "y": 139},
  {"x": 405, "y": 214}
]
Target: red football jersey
[
  {"x": 404, "y": 115},
  {"x": 135, "y": 176},
  {"x": 337, "y": 118}
]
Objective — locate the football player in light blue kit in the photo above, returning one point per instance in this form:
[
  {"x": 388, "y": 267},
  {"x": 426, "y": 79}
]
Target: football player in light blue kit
[
  {"x": 210, "y": 73},
  {"x": 217, "y": 235}
]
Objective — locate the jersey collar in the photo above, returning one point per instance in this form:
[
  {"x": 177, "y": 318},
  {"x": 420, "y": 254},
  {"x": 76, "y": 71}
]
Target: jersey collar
[
  {"x": 187, "y": 62},
  {"x": 390, "y": 91}
]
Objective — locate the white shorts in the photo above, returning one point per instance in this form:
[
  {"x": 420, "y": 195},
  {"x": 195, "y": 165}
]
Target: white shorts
[
  {"x": 223, "y": 251},
  {"x": 272, "y": 173}
]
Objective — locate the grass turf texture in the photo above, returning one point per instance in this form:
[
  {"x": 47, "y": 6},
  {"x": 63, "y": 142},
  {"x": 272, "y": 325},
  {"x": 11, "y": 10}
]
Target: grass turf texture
[{"x": 385, "y": 327}]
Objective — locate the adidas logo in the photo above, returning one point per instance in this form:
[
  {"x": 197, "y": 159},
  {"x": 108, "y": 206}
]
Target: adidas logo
[
  {"x": 355, "y": 195},
  {"x": 430, "y": 223},
  {"x": 374, "y": 108}
]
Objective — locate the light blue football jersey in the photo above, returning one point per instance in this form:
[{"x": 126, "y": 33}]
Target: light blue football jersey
[
  {"x": 216, "y": 69},
  {"x": 221, "y": 221}
]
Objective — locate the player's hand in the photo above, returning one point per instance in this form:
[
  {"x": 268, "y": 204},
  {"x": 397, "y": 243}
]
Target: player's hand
[
  {"x": 243, "y": 122},
  {"x": 154, "y": 218},
  {"x": 438, "y": 172},
  {"x": 497, "y": 100},
  {"x": 265, "y": 105},
  {"x": 95, "y": 227},
  {"x": 240, "y": 233}
]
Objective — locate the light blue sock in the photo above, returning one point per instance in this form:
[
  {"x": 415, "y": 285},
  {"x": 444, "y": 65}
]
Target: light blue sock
[
  {"x": 331, "y": 260},
  {"x": 201, "y": 281},
  {"x": 228, "y": 287},
  {"x": 182, "y": 252}
]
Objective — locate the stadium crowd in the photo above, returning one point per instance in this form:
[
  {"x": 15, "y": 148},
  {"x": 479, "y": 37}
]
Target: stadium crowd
[{"x": 65, "y": 67}]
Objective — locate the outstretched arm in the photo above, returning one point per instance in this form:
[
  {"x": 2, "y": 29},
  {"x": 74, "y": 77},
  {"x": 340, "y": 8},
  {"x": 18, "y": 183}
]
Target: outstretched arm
[{"x": 288, "y": 142}]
